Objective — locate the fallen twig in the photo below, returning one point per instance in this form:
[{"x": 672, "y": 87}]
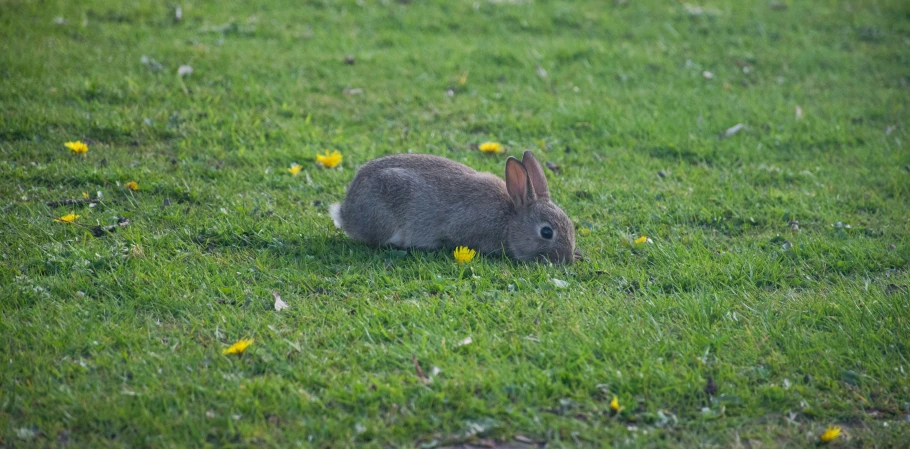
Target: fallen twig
[
  {"x": 420, "y": 373},
  {"x": 100, "y": 231}
]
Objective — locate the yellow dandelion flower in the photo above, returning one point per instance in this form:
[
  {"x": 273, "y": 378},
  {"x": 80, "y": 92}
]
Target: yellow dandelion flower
[
  {"x": 614, "y": 404},
  {"x": 68, "y": 218},
  {"x": 463, "y": 254},
  {"x": 329, "y": 160},
  {"x": 238, "y": 348},
  {"x": 491, "y": 147},
  {"x": 295, "y": 168},
  {"x": 830, "y": 434},
  {"x": 132, "y": 185},
  {"x": 85, "y": 195},
  {"x": 641, "y": 240},
  {"x": 77, "y": 147}
]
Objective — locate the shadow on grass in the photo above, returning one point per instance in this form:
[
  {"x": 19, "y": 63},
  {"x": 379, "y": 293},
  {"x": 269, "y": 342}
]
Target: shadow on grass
[
  {"x": 333, "y": 249},
  {"x": 328, "y": 249}
]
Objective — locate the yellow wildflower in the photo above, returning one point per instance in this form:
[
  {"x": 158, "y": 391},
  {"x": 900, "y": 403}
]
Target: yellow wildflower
[
  {"x": 830, "y": 434},
  {"x": 295, "y": 168},
  {"x": 491, "y": 147},
  {"x": 77, "y": 147},
  {"x": 329, "y": 160},
  {"x": 463, "y": 254},
  {"x": 641, "y": 240},
  {"x": 132, "y": 185},
  {"x": 238, "y": 348},
  {"x": 85, "y": 195},
  {"x": 614, "y": 404},
  {"x": 68, "y": 218}
]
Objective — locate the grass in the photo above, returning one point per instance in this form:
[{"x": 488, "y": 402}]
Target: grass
[{"x": 116, "y": 341}]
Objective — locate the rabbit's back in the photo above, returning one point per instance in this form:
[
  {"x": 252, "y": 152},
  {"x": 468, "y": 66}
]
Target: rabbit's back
[{"x": 424, "y": 201}]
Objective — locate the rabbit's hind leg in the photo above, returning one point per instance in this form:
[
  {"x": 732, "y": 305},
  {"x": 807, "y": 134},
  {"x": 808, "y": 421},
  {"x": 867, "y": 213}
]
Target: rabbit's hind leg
[
  {"x": 410, "y": 204},
  {"x": 398, "y": 239},
  {"x": 368, "y": 222},
  {"x": 375, "y": 210}
]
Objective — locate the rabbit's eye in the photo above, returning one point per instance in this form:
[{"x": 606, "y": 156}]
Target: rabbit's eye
[{"x": 546, "y": 232}]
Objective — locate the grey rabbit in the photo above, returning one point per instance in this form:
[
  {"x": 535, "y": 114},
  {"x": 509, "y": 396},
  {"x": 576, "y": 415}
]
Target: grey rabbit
[{"x": 430, "y": 202}]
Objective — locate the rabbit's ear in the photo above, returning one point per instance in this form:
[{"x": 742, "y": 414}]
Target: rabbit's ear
[
  {"x": 535, "y": 172},
  {"x": 518, "y": 183}
]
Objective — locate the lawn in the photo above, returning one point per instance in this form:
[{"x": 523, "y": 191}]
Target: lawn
[{"x": 770, "y": 303}]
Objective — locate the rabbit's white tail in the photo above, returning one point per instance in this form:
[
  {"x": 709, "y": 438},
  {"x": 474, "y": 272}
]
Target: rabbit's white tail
[{"x": 335, "y": 213}]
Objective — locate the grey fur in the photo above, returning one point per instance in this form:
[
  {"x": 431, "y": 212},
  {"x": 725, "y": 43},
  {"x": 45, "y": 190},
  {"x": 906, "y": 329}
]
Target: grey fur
[{"x": 430, "y": 202}]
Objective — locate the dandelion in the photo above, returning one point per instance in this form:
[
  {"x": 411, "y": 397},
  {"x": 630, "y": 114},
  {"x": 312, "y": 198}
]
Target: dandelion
[
  {"x": 830, "y": 434},
  {"x": 329, "y": 160},
  {"x": 614, "y": 404},
  {"x": 463, "y": 254},
  {"x": 85, "y": 195},
  {"x": 295, "y": 168},
  {"x": 68, "y": 218},
  {"x": 238, "y": 348},
  {"x": 132, "y": 185},
  {"x": 641, "y": 241},
  {"x": 77, "y": 147},
  {"x": 491, "y": 147}
]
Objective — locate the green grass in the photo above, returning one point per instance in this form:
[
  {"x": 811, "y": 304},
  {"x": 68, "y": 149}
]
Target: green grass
[{"x": 117, "y": 341}]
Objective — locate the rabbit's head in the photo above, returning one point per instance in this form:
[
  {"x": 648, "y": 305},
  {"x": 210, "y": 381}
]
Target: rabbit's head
[{"x": 539, "y": 229}]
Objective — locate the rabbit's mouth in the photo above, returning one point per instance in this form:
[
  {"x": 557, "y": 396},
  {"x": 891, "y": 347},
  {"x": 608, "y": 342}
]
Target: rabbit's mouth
[{"x": 557, "y": 258}]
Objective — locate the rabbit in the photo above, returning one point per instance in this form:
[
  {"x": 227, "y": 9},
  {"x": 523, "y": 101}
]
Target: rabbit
[{"x": 429, "y": 202}]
